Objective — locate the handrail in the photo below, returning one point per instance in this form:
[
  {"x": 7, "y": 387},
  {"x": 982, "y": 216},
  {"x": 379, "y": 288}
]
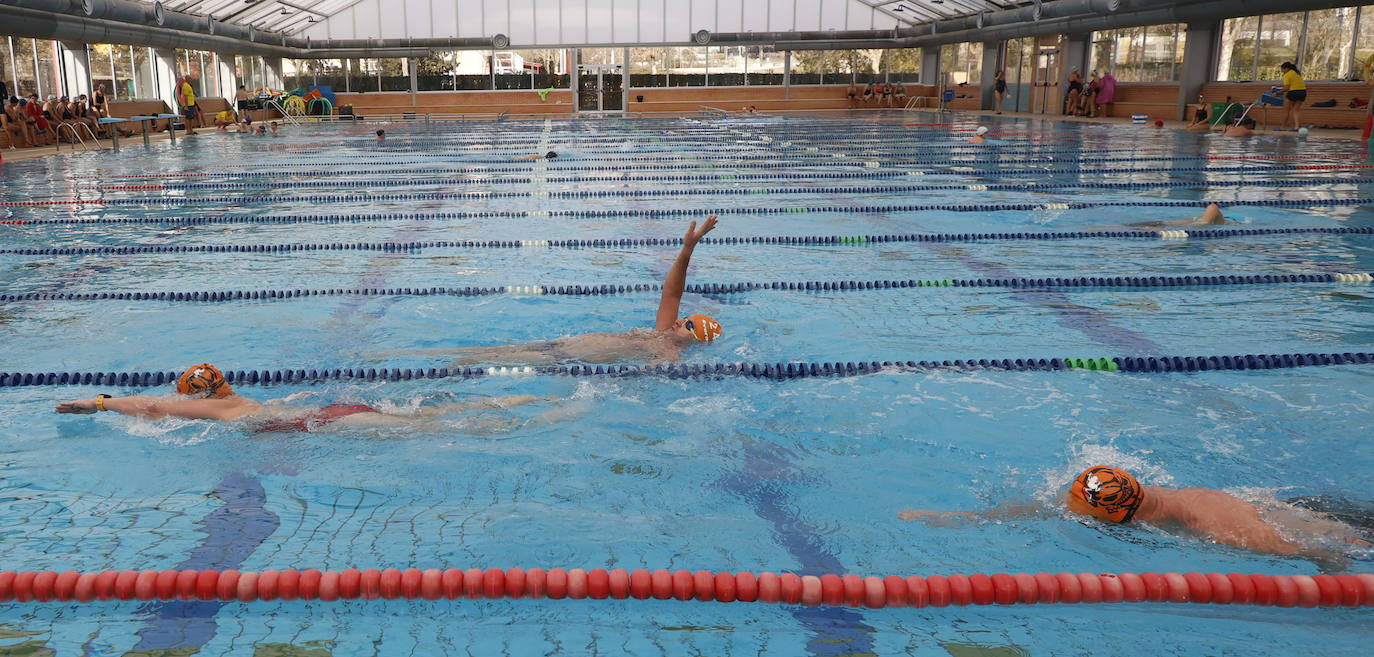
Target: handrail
[
  {"x": 712, "y": 111},
  {"x": 76, "y": 137},
  {"x": 1224, "y": 110},
  {"x": 282, "y": 110}
]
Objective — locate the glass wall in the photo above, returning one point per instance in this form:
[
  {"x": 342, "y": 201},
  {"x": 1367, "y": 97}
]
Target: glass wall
[
  {"x": 25, "y": 74},
  {"x": 1327, "y": 49},
  {"x": 725, "y": 66},
  {"x": 807, "y": 66},
  {"x": 394, "y": 74},
  {"x": 687, "y": 67},
  {"x": 1329, "y": 44},
  {"x": 904, "y": 65},
  {"x": 839, "y": 66},
  {"x": 1019, "y": 73},
  {"x": 145, "y": 83},
  {"x": 648, "y": 67},
  {"x": 1152, "y": 53},
  {"x": 1364, "y": 41},
  {"x": 961, "y": 63}
]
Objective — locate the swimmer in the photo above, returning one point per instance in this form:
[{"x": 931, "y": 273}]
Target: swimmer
[
  {"x": 535, "y": 156},
  {"x": 274, "y": 127},
  {"x": 1114, "y": 496},
  {"x": 979, "y": 135},
  {"x": 664, "y": 343},
  {"x": 1159, "y": 124},
  {"x": 381, "y": 134},
  {"x": 1212, "y": 216},
  {"x": 1201, "y": 118},
  {"x": 203, "y": 394},
  {"x": 1246, "y": 128}
]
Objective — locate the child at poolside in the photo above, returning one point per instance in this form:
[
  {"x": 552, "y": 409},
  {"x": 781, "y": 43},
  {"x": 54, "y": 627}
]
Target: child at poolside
[{"x": 1113, "y": 495}]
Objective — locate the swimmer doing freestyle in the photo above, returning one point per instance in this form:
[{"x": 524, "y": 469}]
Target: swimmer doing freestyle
[
  {"x": 203, "y": 394},
  {"x": 670, "y": 335},
  {"x": 1114, "y": 496}
]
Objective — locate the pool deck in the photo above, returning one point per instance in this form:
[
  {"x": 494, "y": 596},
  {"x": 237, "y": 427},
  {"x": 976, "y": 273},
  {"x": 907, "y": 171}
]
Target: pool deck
[{"x": 19, "y": 154}]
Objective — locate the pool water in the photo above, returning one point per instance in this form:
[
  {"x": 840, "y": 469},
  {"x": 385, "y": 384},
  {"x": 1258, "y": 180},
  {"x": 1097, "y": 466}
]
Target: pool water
[{"x": 721, "y": 474}]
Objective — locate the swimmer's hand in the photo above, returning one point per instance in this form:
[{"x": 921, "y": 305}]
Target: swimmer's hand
[
  {"x": 77, "y": 407},
  {"x": 694, "y": 234}
]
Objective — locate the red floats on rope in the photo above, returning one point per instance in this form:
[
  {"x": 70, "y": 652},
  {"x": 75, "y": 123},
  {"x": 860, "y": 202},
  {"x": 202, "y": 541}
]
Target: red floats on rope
[{"x": 1344, "y": 590}]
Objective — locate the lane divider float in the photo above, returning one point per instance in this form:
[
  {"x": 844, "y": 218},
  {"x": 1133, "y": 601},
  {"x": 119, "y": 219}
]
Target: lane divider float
[
  {"x": 784, "y": 240},
  {"x": 680, "y": 212},
  {"x": 1080, "y": 282},
  {"x": 831, "y": 590},
  {"x": 774, "y": 371}
]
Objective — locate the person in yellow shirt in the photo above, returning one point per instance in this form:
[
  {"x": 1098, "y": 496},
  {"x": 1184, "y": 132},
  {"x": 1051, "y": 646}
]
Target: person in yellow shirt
[
  {"x": 186, "y": 96},
  {"x": 225, "y": 119},
  {"x": 1295, "y": 92}
]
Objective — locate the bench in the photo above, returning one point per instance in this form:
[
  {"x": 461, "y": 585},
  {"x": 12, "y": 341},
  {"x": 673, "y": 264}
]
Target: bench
[
  {"x": 1340, "y": 116},
  {"x": 1158, "y": 101}
]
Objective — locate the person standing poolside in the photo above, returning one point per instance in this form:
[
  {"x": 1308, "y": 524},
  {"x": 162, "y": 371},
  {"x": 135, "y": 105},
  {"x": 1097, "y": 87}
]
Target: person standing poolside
[
  {"x": 1294, "y": 93},
  {"x": 203, "y": 394},
  {"x": 1112, "y": 495},
  {"x": 1075, "y": 90},
  {"x": 1106, "y": 94},
  {"x": 241, "y": 100},
  {"x": 999, "y": 87},
  {"x": 664, "y": 343},
  {"x": 186, "y": 97}
]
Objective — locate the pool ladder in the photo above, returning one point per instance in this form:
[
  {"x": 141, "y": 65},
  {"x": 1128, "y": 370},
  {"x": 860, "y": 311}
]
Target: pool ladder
[
  {"x": 76, "y": 137},
  {"x": 282, "y": 110}
]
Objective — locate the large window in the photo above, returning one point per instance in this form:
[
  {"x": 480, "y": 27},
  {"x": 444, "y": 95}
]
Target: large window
[
  {"x": 1327, "y": 49},
  {"x": 687, "y": 67},
  {"x": 904, "y": 65},
  {"x": 648, "y": 67},
  {"x": 839, "y": 67},
  {"x": 725, "y": 66},
  {"x": 1326, "y": 45},
  {"x": 1364, "y": 42},
  {"x": 961, "y": 63},
  {"x": 807, "y": 66},
  {"x": 1151, "y": 53},
  {"x": 1279, "y": 38}
]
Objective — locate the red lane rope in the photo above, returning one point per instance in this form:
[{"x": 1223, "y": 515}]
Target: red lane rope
[{"x": 1344, "y": 590}]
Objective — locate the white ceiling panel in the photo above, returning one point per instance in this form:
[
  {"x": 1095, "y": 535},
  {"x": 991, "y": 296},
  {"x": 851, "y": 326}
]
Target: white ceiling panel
[{"x": 573, "y": 22}]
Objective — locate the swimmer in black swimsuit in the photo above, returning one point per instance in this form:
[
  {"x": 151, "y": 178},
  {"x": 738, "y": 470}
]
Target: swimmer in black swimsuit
[
  {"x": 1000, "y": 87},
  {"x": 853, "y": 94},
  {"x": 204, "y": 395},
  {"x": 1075, "y": 90}
]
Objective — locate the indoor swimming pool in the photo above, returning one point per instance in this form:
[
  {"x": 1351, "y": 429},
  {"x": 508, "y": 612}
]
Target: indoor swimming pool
[{"x": 910, "y": 321}]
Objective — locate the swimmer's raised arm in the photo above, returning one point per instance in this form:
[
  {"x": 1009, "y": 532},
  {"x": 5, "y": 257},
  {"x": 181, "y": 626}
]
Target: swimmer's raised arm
[{"x": 676, "y": 281}]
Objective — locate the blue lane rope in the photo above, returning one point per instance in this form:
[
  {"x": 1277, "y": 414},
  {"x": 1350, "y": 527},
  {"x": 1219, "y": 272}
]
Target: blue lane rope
[
  {"x": 681, "y": 212},
  {"x": 807, "y": 240},
  {"x": 709, "y": 288},
  {"x": 721, "y": 191},
  {"x": 776, "y": 371},
  {"x": 816, "y": 175}
]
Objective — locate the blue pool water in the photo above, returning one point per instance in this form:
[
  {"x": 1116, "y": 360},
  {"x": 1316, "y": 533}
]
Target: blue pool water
[{"x": 726, "y": 474}]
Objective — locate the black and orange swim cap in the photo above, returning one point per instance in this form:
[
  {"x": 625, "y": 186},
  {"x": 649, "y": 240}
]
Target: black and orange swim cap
[
  {"x": 203, "y": 380},
  {"x": 1106, "y": 493}
]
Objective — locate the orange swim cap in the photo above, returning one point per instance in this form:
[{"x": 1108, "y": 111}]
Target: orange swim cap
[
  {"x": 704, "y": 327},
  {"x": 203, "y": 380},
  {"x": 1106, "y": 493}
]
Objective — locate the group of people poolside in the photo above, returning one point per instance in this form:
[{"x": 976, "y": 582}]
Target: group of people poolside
[
  {"x": 1103, "y": 493},
  {"x": 877, "y": 94},
  {"x": 33, "y": 122}
]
